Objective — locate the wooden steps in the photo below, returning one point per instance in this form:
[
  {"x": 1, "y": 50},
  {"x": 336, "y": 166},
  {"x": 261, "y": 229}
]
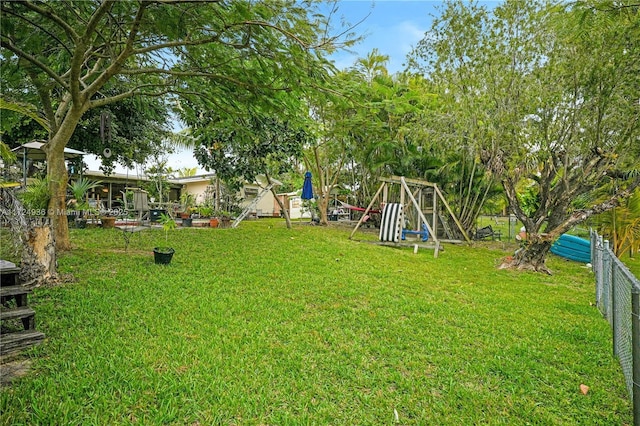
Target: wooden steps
[
  {"x": 16, "y": 292},
  {"x": 17, "y": 341},
  {"x": 9, "y": 276},
  {"x": 17, "y": 319},
  {"x": 21, "y": 312}
]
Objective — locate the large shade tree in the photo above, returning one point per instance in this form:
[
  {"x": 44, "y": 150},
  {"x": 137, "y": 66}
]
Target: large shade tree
[
  {"x": 547, "y": 96},
  {"x": 244, "y": 148},
  {"x": 125, "y": 132},
  {"x": 61, "y": 56},
  {"x": 373, "y": 130},
  {"x": 325, "y": 155}
]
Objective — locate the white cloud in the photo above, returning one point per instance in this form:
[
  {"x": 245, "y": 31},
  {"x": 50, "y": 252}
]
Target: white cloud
[{"x": 408, "y": 34}]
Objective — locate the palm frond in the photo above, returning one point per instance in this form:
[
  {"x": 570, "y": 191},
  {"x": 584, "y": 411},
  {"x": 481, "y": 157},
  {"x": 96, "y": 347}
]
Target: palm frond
[{"x": 24, "y": 109}]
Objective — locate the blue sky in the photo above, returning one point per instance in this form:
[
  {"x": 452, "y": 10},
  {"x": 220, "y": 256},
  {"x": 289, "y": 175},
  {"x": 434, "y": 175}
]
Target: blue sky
[{"x": 392, "y": 26}]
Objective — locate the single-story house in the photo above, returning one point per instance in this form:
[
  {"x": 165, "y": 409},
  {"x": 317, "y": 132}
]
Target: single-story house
[
  {"x": 111, "y": 193},
  {"x": 297, "y": 209},
  {"x": 203, "y": 187}
]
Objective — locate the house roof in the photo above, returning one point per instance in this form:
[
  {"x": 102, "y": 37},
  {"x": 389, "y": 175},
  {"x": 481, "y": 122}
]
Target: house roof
[
  {"x": 122, "y": 177},
  {"x": 194, "y": 179},
  {"x": 262, "y": 181},
  {"x": 118, "y": 176}
]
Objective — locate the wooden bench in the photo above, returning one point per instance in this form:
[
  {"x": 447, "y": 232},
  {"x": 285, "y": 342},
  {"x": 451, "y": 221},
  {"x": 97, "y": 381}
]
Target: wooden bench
[{"x": 487, "y": 232}]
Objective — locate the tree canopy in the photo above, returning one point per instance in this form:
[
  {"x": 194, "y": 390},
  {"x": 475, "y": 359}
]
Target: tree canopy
[
  {"x": 241, "y": 150},
  {"x": 62, "y": 57},
  {"x": 545, "y": 95},
  {"x": 131, "y": 130}
]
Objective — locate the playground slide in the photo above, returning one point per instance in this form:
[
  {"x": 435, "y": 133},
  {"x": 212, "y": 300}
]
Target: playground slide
[{"x": 572, "y": 248}]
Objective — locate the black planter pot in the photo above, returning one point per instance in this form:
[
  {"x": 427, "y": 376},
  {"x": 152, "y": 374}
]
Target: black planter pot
[
  {"x": 154, "y": 214},
  {"x": 81, "y": 223},
  {"x": 163, "y": 255},
  {"x": 187, "y": 223}
]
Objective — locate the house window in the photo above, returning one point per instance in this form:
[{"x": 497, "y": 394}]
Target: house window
[{"x": 251, "y": 192}]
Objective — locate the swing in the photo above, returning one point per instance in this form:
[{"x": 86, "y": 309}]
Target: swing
[
  {"x": 424, "y": 233},
  {"x": 406, "y": 215},
  {"x": 140, "y": 204}
]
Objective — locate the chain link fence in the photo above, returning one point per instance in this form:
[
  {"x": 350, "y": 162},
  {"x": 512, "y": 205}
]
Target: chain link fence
[
  {"x": 506, "y": 226},
  {"x": 618, "y": 298},
  {"x": 509, "y": 227}
]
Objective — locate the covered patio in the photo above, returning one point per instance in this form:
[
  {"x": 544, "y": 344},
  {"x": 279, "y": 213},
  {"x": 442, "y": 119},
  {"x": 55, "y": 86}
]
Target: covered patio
[{"x": 32, "y": 151}]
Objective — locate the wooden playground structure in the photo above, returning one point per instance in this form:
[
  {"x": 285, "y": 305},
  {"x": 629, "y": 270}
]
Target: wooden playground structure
[{"x": 414, "y": 201}]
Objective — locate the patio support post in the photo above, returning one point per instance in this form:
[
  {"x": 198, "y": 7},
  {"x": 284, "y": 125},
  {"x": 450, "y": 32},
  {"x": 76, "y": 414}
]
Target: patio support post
[{"x": 24, "y": 167}]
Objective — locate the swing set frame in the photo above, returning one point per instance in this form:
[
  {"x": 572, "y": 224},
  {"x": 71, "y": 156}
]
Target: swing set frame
[{"x": 412, "y": 194}]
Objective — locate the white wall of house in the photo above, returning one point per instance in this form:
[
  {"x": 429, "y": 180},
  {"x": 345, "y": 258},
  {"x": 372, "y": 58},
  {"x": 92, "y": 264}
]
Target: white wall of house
[
  {"x": 266, "y": 207},
  {"x": 198, "y": 189},
  {"x": 296, "y": 208}
]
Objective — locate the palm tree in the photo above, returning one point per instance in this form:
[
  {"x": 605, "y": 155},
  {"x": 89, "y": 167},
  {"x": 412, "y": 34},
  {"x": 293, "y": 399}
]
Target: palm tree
[
  {"x": 621, "y": 225},
  {"x": 467, "y": 185},
  {"x": 79, "y": 189},
  {"x": 373, "y": 65},
  {"x": 187, "y": 172}
]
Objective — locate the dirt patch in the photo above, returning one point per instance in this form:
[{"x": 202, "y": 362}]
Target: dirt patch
[
  {"x": 14, "y": 370},
  {"x": 129, "y": 251}
]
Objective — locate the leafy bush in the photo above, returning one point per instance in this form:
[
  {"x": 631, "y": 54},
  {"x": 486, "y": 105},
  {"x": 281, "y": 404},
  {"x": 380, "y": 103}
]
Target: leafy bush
[
  {"x": 36, "y": 196},
  {"x": 79, "y": 189}
]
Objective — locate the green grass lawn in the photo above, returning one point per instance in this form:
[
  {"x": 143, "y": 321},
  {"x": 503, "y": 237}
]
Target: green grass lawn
[
  {"x": 262, "y": 325},
  {"x": 508, "y": 230},
  {"x": 633, "y": 263}
]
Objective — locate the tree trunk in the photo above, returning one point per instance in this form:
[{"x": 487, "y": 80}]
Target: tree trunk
[
  {"x": 323, "y": 206},
  {"x": 217, "y": 201},
  {"x": 34, "y": 237},
  {"x": 38, "y": 262},
  {"x": 282, "y": 208},
  {"x": 322, "y": 201},
  {"x": 58, "y": 177},
  {"x": 531, "y": 257}
]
